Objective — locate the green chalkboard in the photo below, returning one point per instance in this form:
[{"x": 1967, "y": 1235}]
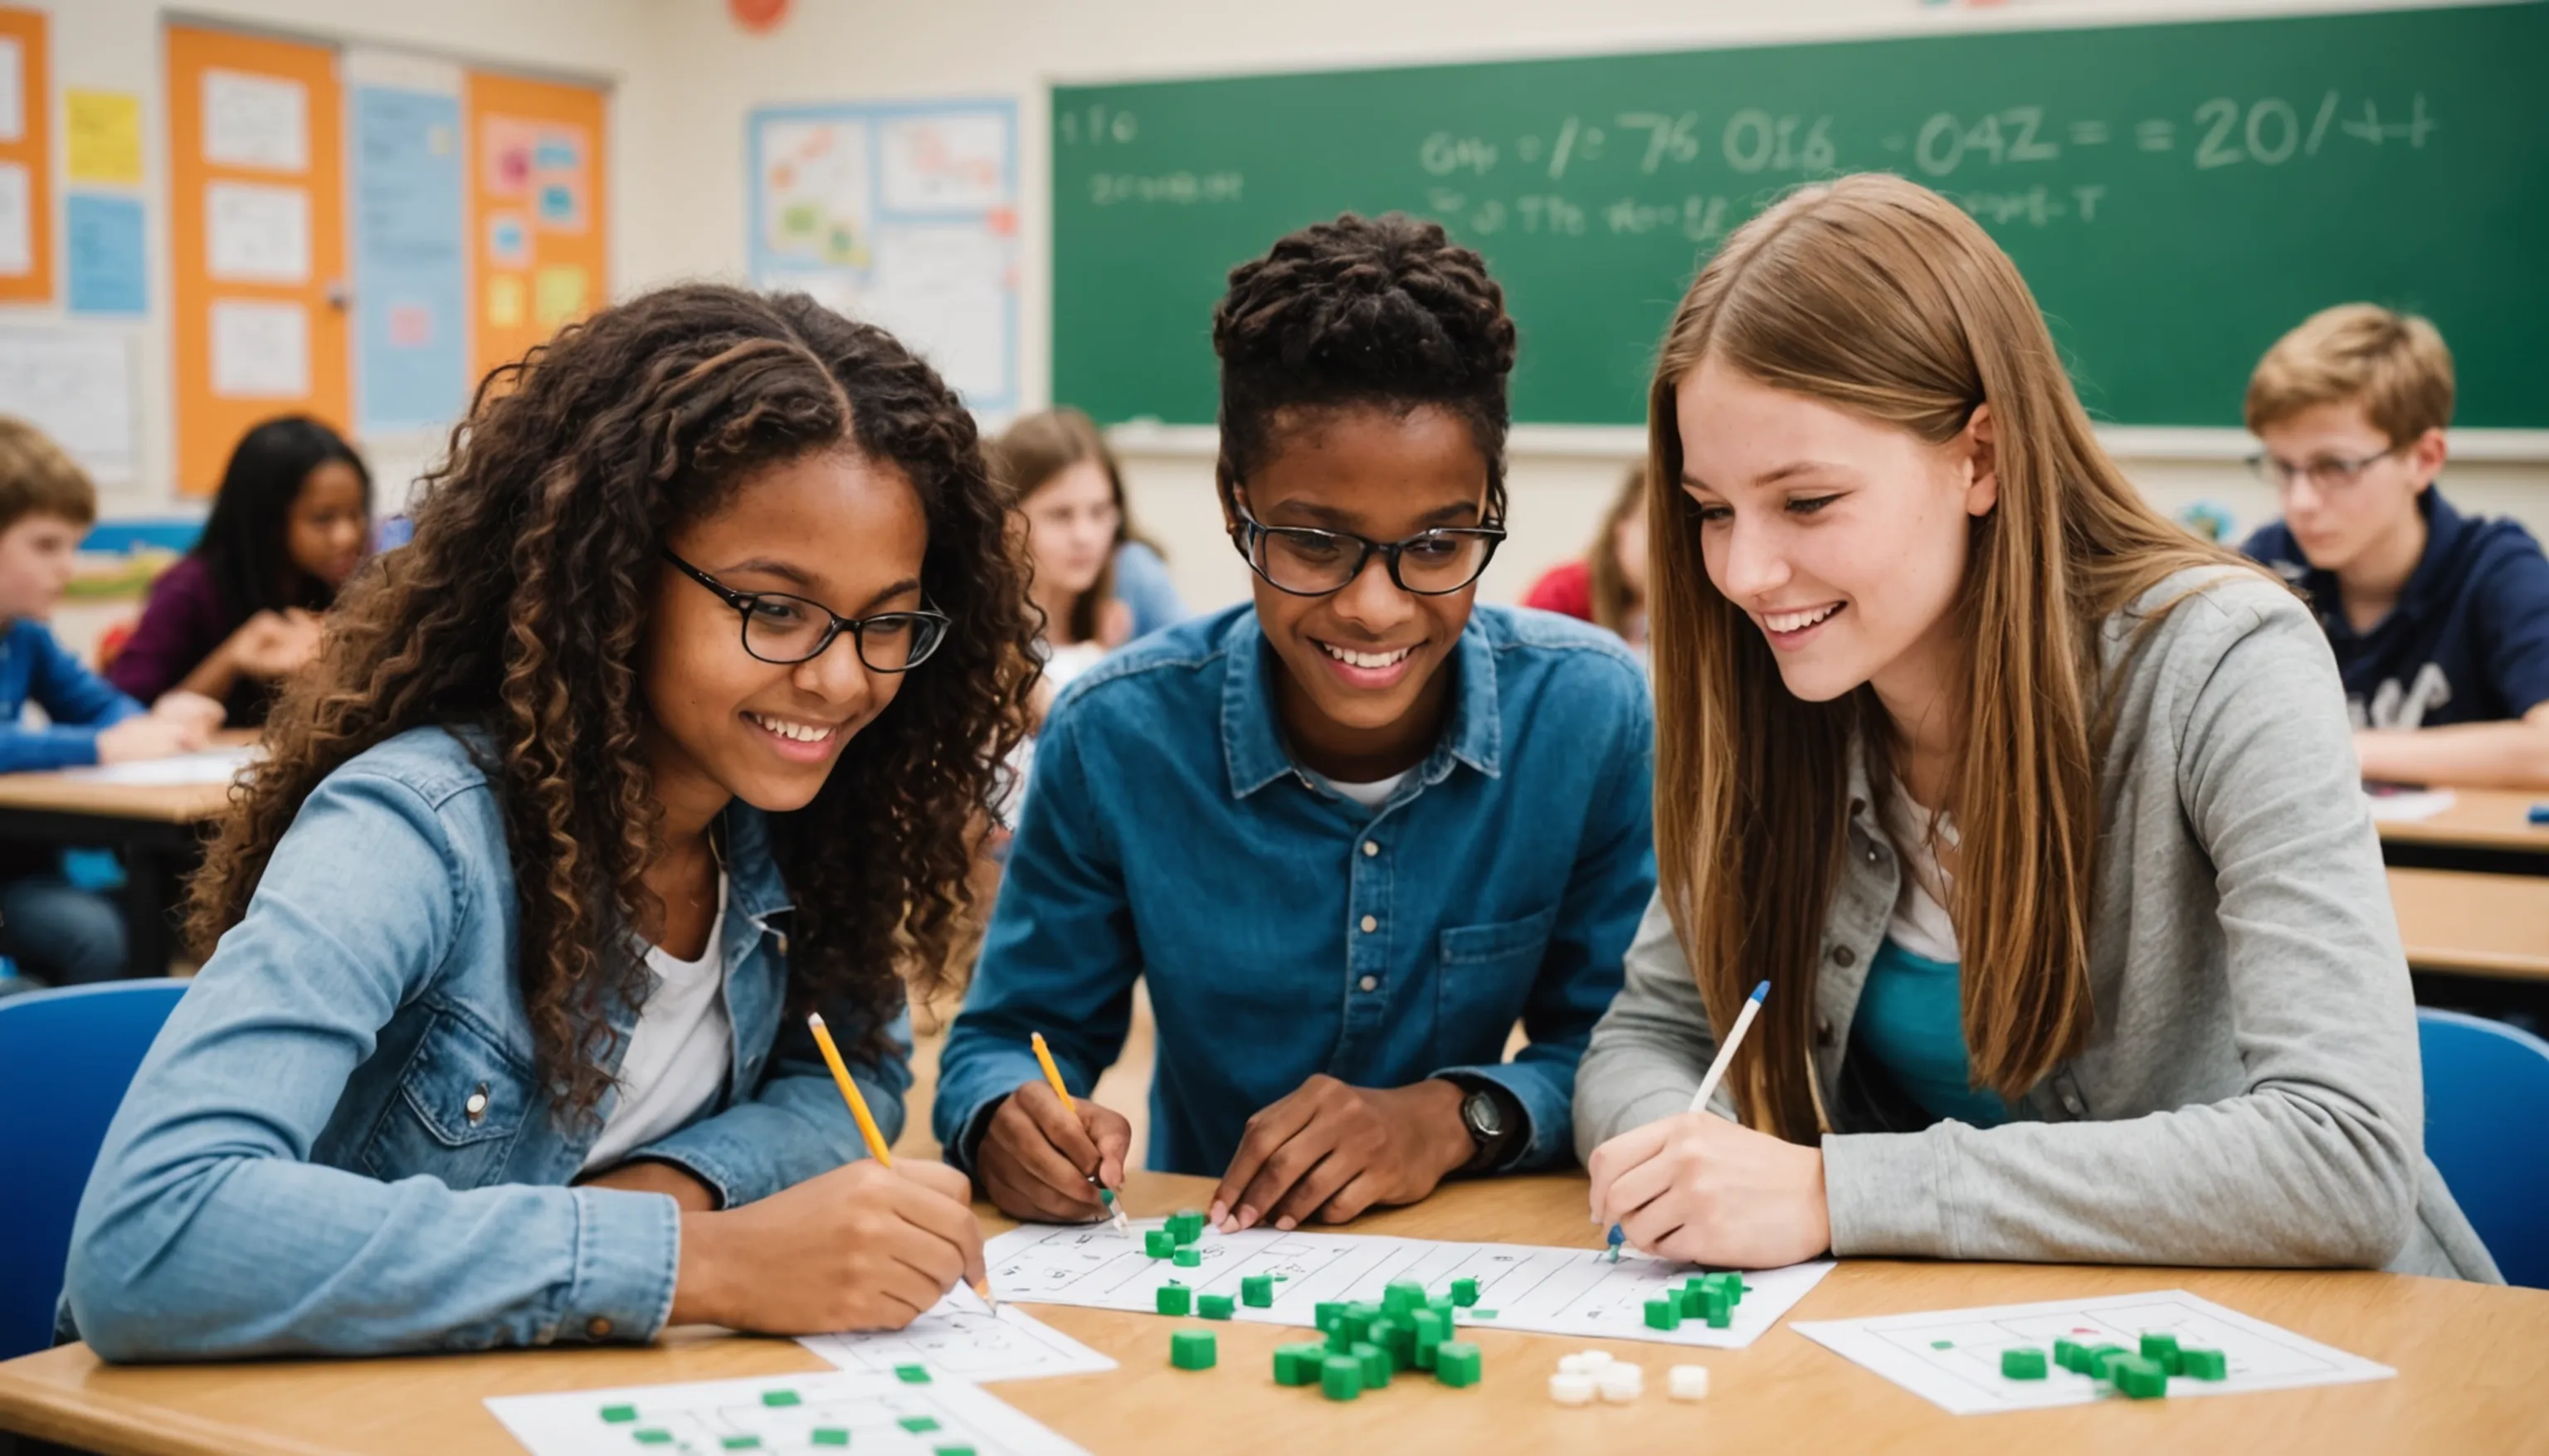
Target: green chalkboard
[{"x": 2177, "y": 195}]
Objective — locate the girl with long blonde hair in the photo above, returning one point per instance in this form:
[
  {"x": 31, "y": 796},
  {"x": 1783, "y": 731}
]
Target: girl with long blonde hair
[{"x": 2040, "y": 817}]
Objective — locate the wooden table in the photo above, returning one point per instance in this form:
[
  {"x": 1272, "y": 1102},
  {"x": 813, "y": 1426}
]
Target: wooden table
[
  {"x": 158, "y": 831},
  {"x": 2467, "y": 1358},
  {"x": 2485, "y": 925},
  {"x": 2485, "y": 829}
]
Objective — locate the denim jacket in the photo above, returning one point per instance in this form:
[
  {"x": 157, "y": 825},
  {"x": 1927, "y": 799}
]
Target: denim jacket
[
  {"x": 338, "y": 1144},
  {"x": 1286, "y": 930}
]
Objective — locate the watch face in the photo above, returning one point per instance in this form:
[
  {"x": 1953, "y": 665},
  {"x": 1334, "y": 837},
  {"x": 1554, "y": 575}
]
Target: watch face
[{"x": 1478, "y": 1110}]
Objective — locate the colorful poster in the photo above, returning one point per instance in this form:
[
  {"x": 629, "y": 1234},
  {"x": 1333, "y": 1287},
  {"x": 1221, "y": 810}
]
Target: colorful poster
[
  {"x": 260, "y": 350},
  {"x": 104, "y": 138},
  {"x": 410, "y": 260},
  {"x": 105, "y": 257},
  {"x": 255, "y": 233},
  {"x": 257, "y": 122}
]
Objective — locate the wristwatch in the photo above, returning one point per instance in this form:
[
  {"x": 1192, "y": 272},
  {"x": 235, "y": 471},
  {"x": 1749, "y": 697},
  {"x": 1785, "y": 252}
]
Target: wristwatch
[{"x": 1482, "y": 1112}]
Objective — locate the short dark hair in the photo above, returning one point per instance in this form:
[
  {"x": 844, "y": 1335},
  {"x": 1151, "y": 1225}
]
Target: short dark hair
[{"x": 1384, "y": 312}]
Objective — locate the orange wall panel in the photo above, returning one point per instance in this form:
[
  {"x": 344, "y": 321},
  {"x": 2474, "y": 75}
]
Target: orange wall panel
[
  {"x": 539, "y": 254},
  {"x": 33, "y": 151}
]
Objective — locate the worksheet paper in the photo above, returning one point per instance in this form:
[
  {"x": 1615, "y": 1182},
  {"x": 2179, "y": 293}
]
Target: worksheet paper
[
  {"x": 791, "y": 1415},
  {"x": 212, "y": 765},
  {"x": 1575, "y": 1292},
  {"x": 2407, "y": 805},
  {"x": 1951, "y": 1357},
  {"x": 962, "y": 1339}
]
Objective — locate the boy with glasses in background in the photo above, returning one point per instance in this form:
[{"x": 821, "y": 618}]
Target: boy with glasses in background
[
  {"x": 2440, "y": 621},
  {"x": 1350, "y": 833}
]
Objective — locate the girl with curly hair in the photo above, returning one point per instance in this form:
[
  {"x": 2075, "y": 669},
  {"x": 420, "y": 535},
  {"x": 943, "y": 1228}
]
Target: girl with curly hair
[
  {"x": 668, "y": 729},
  {"x": 1378, "y": 824}
]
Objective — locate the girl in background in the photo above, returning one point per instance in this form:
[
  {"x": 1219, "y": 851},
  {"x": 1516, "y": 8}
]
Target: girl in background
[
  {"x": 1607, "y": 585},
  {"x": 1068, "y": 490},
  {"x": 240, "y": 613}
]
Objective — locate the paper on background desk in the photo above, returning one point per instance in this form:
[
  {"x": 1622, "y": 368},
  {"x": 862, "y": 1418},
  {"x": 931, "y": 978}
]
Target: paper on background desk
[
  {"x": 1951, "y": 1357},
  {"x": 2407, "y": 805},
  {"x": 213, "y": 766},
  {"x": 962, "y": 1339},
  {"x": 702, "y": 1417},
  {"x": 1576, "y": 1292}
]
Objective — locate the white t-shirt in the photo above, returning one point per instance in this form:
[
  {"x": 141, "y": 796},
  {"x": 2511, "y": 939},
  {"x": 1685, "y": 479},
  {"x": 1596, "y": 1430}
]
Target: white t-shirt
[
  {"x": 679, "y": 1052},
  {"x": 1373, "y": 795},
  {"x": 1920, "y": 923}
]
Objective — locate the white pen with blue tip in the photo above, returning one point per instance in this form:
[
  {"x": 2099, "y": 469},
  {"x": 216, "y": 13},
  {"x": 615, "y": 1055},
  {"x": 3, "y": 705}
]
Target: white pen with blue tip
[{"x": 1716, "y": 1074}]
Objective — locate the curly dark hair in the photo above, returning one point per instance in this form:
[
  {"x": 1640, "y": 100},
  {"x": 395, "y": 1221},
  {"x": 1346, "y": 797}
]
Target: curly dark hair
[
  {"x": 1384, "y": 312},
  {"x": 520, "y": 606}
]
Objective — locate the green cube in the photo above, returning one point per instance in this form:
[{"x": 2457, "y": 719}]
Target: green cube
[
  {"x": 650, "y": 1436},
  {"x": 775, "y": 1398},
  {"x": 1402, "y": 1297},
  {"x": 1213, "y": 1306},
  {"x": 917, "y": 1424},
  {"x": 1341, "y": 1377},
  {"x": 1326, "y": 1312},
  {"x": 1187, "y": 1257},
  {"x": 2022, "y": 1364},
  {"x": 1187, "y": 1225},
  {"x": 910, "y": 1375},
  {"x": 2101, "y": 1361},
  {"x": 2203, "y": 1364},
  {"x": 1175, "y": 1299},
  {"x": 2067, "y": 1353},
  {"x": 1431, "y": 1331},
  {"x": 1375, "y": 1363},
  {"x": 620, "y": 1414},
  {"x": 829, "y": 1435},
  {"x": 1457, "y": 1363},
  {"x": 2160, "y": 1350},
  {"x": 1715, "y": 1307},
  {"x": 1300, "y": 1364},
  {"x": 1357, "y": 1320},
  {"x": 1690, "y": 1298},
  {"x": 1482, "y": 1313},
  {"x": 1664, "y": 1314},
  {"x": 1465, "y": 1291},
  {"x": 2140, "y": 1378},
  {"x": 951, "y": 1452},
  {"x": 1159, "y": 1244},
  {"x": 1257, "y": 1291},
  {"x": 1193, "y": 1349}
]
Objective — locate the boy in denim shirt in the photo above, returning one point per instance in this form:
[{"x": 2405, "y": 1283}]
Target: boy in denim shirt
[
  {"x": 2440, "y": 621},
  {"x": 55, "y": 930},
  {"x": 1351, "y": 834}
]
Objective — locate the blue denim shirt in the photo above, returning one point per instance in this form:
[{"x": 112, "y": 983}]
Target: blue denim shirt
[
  {"x": 1285, "y": 930},
  {"x": 338, "y": 1144},
  {"x": 35, "y": 668}
]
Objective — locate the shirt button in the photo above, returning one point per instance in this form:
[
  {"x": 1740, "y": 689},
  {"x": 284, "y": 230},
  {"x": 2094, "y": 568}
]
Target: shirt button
[
  {"x": 2071, "y": 1102},
  {"x": 1871, "y": 857},
  {"x": 1823, "y": 1031},
  {"x": 1369, "y": 849},
  {"x": 1369, "y": 924},
  {"x": 1843, "y": 955},
  {"x": 597, "y": 1327},
  {"x": 476, "y": 1105},
  {"x": 1370, "y": 984}
]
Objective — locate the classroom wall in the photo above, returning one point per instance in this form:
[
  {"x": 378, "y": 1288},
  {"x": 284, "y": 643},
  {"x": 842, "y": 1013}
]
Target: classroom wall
[{"x": 867, "y": 50}]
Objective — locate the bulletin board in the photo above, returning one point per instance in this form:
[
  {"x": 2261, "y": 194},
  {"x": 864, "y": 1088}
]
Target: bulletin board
[
  {"x": 537, "y": 167},
  {"x": 26, "y": 159},
  {"x": 256, "y": 233}
]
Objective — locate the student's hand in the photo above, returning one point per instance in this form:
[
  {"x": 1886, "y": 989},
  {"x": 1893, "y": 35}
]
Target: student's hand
[
  {"x": 191, "y": 710},
  {"x": 272, "y": 645},
  {"x": 1703, "y": 1189},
  {"x": 149, "y": 736},
  {"x": 864, "y": 1246},
  {"x": 1036, "y": 1155},
  {"x": 1332, "y": 1150}
]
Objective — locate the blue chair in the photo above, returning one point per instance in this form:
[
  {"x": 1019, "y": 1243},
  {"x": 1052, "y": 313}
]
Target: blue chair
[
  {"x": 2487, "y": 1089},
  {"x": 66, "y": 1059}
]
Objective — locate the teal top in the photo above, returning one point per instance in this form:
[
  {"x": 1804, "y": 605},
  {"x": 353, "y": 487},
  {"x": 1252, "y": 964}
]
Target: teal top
[{"x": 1911, "y": 1018}]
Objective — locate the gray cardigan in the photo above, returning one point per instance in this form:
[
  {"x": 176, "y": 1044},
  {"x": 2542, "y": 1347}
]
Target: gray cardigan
[{"x": 2249, "y": 1094}]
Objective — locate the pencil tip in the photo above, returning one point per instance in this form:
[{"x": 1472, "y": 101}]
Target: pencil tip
[
  {"x": 1761, "y": 992},
  {"x": 813, "y": 1018}
]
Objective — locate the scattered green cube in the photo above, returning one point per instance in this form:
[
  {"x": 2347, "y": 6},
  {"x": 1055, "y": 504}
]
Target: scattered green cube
[
  {"x": 1188, "y": 1257},
  {"x": 2101, "y": 1361},
  {"x": 1257, "y": 1291},
  {"x": 1187, "y": 1225},
  {"x": 620, "y": 1414},
  {"x": 1457, "y": 1363},
  {"x": 1402, "y": 1297},
  {"x": 829, "y": 1435},
  {"x": 1341, "y": 1377},
  {"x": 2022, "y": 1364},
  {"x": 1375, "y": 1364},
  {"x": 2067, "y": 1353},
  {"x": 951, "y": 1452},
  {"x": 1326, "y": 1312},
  {"x": 1664, "y": 1314},
  {"x": 1356, "y": 1319},
  {"x": 1300, "y": 1364},
  {"x": 2160, "y": 1350},
  {"x": 650, "y": 1436},
  {"x": 2203, "y": 1364},
  {"x": 1431, "y": 1331},
  {"x": 1715, "y": 1308},
  {"x": 2138, "y": 1377},
  {"x": 917, "y": 1424},
  {"x": 1465, "y": 1291},
  {"x": 908, "y": 1375},
  {"x": 1482, "y": 1313},
  {"x": 775, "y": 1398},
  {"x": 1175, "y": 1299},
  {"x": 1159, "y": 1244},
  {"x": 1193, "y": 1349},
  {"x": 1942, "y": 1344},
  {"x": 1213, "y": 1306}
]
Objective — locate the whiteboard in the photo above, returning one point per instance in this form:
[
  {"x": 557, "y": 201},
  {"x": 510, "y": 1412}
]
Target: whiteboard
[{"x": 74, "y": 383}]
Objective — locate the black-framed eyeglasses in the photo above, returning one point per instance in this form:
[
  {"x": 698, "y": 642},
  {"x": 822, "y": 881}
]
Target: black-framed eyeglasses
[
  {"x": 784, "y": 629},
  {"x": 2327, "y": 475},
  {"x": 1302, "y": 560}
]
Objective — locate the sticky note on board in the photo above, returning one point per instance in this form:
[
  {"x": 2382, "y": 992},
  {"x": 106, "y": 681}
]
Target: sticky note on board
[
  {"x": 507, "y": 145},
  {"x": 557, "y": 206},
  {"x": 509, "y": 240},
  {"x": 104, "y": 136},
  {"x": 557, "y": 295},
  {"x": 504, "y": 300},
  {"x": 109, "y": 272}
]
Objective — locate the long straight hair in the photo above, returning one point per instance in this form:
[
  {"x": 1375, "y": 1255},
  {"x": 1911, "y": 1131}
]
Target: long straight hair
[
  {"x": 245, "y": 545},
  {"x": 1614, "y": 599},
  {"x": 1878, "y": 295},
  {"x": 1026, "y": 457}
]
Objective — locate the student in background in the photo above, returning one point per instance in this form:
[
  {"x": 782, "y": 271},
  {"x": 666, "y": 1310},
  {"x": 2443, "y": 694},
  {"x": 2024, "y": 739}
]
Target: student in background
[
  {"x": 1607, "y": 585},
  {"x": 2440, "y": 621},
  {"x": 2037, "y": 813},
  {"x": 55, "y": 931},
  {"x": 669, "y": 727},
  {"x": 1349, "y": 834},
  {"x": 1068, "y": 492},
  {"x": 240, "y": 611}
]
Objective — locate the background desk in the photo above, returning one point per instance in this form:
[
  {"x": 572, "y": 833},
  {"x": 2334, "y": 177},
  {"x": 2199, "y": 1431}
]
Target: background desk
[
  {"x": 157, "y": 830},
  {"x": 2485, "y": 829},
  {"x": 2468, "y": 1360}
]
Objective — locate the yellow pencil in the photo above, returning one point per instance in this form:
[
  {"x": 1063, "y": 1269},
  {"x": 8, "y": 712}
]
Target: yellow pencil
[
  {"x": 867, "y": 1129},
  {"x": 1053, "y": 1074}
]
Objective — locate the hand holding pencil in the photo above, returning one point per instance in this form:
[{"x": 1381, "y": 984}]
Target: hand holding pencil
[{"x": 1049, "y": 1157}]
